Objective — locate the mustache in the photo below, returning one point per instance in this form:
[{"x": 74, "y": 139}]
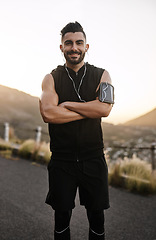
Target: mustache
[{"x": 72, "y": 52}]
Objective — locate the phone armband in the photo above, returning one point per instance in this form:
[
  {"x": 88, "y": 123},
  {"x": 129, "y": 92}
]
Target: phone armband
[{"x": 106, "y": 93}]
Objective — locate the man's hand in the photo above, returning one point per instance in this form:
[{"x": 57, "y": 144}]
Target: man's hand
[
  {"x": 69, "y": 111},
  {"x": 64, "y": 104},
  {"x": 92, "y": 109}
]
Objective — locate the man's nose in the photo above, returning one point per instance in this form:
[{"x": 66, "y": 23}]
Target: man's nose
[{"x": 74, "y": 47}]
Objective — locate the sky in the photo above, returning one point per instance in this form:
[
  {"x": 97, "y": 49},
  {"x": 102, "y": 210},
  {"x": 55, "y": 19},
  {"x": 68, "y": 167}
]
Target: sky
[{"x": 121, "y": 35}]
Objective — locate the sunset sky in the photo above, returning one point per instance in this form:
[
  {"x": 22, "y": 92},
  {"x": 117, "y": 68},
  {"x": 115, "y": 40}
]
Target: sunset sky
[{"x": 122, "y": 38}]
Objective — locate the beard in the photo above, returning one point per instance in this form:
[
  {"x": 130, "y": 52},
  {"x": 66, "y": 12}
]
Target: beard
[{"x": 73, "y": 60}]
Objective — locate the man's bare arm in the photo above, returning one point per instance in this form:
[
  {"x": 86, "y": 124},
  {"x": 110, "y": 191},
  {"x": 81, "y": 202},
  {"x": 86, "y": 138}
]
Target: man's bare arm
[
  {"x": 50, "y": 110},
  {"x": 92, "y": 109}
]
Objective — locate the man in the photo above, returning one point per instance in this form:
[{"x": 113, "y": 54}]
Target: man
[{"x": 72, "y": 103}]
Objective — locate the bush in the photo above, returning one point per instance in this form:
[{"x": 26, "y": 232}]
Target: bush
[
  {"x": 37, "y": 152},
  {"x": 43, "y": 153},
  {"x": 27, "y": 149},
  {"x": 4, "y": 145},
  {"x": 115, "y": 176},
  {"x": 136, "y": 168},
  {"x": 134, "y": 175}
]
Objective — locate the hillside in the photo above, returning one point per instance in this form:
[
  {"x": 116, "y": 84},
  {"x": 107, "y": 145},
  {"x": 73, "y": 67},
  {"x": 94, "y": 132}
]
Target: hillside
[
  {"x": 21, "y": 111},
  {"x": 148, "y": 119}
]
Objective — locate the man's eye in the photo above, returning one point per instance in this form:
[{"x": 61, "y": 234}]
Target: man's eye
[
  {"x": 68, "y": 43},
  {"x": 79, "y": 43}
]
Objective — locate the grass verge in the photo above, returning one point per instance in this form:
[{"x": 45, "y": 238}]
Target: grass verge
[
  {"x": 133, "y": 174},
  {"x": 29, "y": 149}
]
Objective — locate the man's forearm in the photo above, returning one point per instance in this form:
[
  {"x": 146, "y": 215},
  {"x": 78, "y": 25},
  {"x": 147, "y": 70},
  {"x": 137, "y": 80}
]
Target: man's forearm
[
  {"x": 58, "y": 114},
  {"x": 92, "y": 109}
]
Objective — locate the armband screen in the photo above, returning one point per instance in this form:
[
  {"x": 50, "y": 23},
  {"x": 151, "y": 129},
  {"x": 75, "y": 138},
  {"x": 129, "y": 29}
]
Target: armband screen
[{"x": 106, "y": 93}]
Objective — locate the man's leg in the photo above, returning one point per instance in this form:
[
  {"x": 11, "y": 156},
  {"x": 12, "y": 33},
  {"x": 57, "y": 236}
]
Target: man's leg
[
  {"x": 96, "y": 223},
  {"x": 62, "y": 221}
]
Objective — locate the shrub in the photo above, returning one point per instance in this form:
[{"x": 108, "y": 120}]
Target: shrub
[
  {"x": 134, "y": 175},
  {"x": 115, "y": 176},
  {"x": 43, "y": 153},
  {"x": 4, "y": 145},
  {"x": 136, "y": 168},
  {"x": 27, "y": 149}
]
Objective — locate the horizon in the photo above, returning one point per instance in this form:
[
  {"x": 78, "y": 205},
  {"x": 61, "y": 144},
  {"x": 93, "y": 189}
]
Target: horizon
[{"x": 121, "y": 44}]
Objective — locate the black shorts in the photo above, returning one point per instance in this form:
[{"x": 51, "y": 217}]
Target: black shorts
[{"x": 89, "y": 177}]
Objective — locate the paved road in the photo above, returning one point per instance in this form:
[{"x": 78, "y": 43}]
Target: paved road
[{"x": 25, "y": 216}]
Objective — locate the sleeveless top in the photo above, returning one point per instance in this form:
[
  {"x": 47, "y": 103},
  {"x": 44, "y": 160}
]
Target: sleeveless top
[{"x": 81, "y": 139}]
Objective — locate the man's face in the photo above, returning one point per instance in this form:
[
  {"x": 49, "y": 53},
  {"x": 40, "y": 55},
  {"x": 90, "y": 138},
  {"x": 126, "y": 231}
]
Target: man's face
[{"x": 74, "y": 47}]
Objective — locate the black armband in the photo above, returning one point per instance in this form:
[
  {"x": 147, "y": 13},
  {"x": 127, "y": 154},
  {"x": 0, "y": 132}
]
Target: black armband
[{"x": 106, "y": 93}]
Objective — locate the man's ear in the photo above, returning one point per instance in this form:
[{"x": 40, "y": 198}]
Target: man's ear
[
  {"x": 61, "y": 47},
  {"x": 87, "y": 47}
]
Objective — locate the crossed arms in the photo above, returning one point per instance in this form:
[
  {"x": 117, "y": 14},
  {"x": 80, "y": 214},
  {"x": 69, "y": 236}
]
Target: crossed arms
[{"x": 52, "y": 112}]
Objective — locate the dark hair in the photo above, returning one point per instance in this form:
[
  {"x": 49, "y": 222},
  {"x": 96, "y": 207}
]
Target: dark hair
[{"x": 72, "y": 27}]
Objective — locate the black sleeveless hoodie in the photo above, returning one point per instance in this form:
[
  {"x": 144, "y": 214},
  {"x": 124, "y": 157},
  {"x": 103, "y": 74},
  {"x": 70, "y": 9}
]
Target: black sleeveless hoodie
[{"x": 81, "y": 139}]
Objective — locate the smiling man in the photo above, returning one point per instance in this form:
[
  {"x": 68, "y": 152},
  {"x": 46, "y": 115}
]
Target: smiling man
[
  {"x": 74, "y": 98},
  {"x": 74, "y": 48}
]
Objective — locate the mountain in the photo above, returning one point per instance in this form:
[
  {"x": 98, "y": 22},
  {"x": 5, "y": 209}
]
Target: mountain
[
  {"x": 146, "y": 120},
  {"x": 21, "y": 111}
]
